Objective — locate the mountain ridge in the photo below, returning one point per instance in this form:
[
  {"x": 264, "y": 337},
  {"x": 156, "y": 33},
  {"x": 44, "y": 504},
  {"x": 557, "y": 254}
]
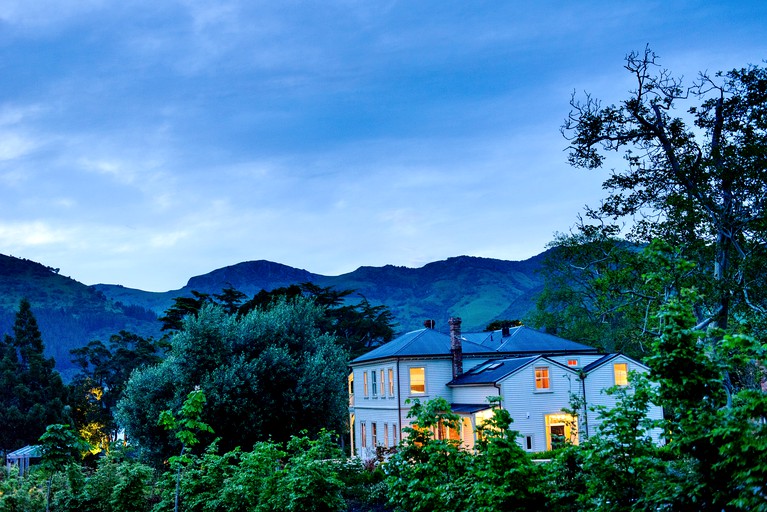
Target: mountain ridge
[{"x": 71, "y": 314}]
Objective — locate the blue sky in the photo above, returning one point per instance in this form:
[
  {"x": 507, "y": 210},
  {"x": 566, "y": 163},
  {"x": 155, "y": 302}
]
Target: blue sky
[{"x": 145, "y": 142}]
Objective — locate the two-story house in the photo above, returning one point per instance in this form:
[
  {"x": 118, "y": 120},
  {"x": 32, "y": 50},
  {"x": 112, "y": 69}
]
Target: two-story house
[{"x": 535, "y": 374}]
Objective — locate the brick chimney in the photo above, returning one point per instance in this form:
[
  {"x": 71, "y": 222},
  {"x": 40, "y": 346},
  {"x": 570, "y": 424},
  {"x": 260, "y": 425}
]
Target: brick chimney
[
  {"x": 429, "y": 324},
  {"x": 456, "y": 346}
]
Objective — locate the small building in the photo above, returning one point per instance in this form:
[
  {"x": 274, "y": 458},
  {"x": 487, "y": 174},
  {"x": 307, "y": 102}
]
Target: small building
[
  {"x": 536, "y": 375},
  {"x": 23, "y": 458}
]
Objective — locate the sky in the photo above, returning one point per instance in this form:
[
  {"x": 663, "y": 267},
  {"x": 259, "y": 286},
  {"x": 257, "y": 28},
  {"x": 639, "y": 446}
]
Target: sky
[{"x": 145, "y": 142}]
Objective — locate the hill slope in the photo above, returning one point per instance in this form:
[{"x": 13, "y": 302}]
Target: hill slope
[
  {"x": 69, "y": 313},
  {"x": 478, "y": 289}
]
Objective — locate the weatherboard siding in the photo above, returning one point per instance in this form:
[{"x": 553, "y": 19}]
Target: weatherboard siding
[
  {"x": 528, "y": 407},
  {"x": 603, "y": 378},
  {"x": 473, "y": 394}
]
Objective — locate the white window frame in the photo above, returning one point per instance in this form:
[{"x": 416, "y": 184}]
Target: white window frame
[
  {"x": 542, "y": 379},
  {"x": 391, "y": 382},
  {"x": 365, "y": 388},
  {"x": 410, "y": 380},
  {"x": 374, "y": 383},
  {"x": 621, "y": 377}
]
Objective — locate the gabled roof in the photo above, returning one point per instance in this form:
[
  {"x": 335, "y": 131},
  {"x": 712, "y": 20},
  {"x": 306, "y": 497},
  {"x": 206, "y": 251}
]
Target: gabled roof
[
  {"x": 492, "y": 371},
  {"x": 431, "y": 343},
  {"x": 606, "y": 359}
]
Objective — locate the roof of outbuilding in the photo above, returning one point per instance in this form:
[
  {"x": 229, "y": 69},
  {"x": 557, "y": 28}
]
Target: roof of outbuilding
[{"x": 431, "y": 343}]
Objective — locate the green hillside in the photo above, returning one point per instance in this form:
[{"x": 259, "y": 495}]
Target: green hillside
[
  {"x": 69, "y": 313},
  {"x": 478, "y": 289}
]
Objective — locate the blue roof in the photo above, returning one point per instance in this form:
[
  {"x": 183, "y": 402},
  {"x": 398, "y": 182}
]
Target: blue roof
[
  {"x": 423, "y": 342},
  {"x": 491, "y": 371},
  {"x": 431, "y": 343},
  {"x": 524, "y": 339}
]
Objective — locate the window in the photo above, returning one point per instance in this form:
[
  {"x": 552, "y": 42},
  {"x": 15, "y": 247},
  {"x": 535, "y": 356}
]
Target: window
[
  {"x": 373, "y": 437},
  {"x": 529, "y": 443},
  {"x": 418, "y": 380},
  {"x": 561, "y": 429},
  {"x": 391, "y": 382},
  {"x": 386, "y": 435},
  {"x": 351, "y": 383},
  {"x": 363, "y": 435},
  {"x": 383, "y": 384},
  {"x": 621, "y": 372},
  {"x": 542, "y": 382},
  {"x": 394, "y": 434},
  {"x": 374, "y": 383},
  {"x": 365, "y": 384},
  {"x": 572, "y": 362}
]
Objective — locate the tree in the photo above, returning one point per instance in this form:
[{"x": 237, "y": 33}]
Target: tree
[
  {"x": 698, "y": 181},
  {"x": 101, "y": 381},
  {"x": 359, "y": 325},
  {"x": 33, "y": 394},
  {"x": 269, "y": 373},
  {"x": 59, "y": 446},
  {"x": 185, "y": 428}
]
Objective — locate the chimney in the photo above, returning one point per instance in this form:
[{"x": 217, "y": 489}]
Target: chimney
[
  {"x": 429, "y": 324},
  {"x": 456, "y": 347},
  {"x": 505, "y": 331}
]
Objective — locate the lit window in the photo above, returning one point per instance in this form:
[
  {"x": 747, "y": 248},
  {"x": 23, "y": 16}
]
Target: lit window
[
  {"x": 374, "y": 383},
  {"x": 621, "y": 372},
  {"x": 351, "y": 383},
  {"x": 391, "y": 382},
  {"x": 572, "y": 362},
  {"x": 365, "y": 391},
  {"x": 363, "y": 435},
  {"x": 373, "y": 432},
  {"x": 542, "y": 381},
  {"x": 417, "y": 380},
  {"x": 386, "y": 435}
]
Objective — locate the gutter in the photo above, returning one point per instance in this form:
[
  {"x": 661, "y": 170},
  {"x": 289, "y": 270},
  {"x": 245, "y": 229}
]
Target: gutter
[
  {"x": 399, "y": 403},
  {"x": 583, "y": 376}
]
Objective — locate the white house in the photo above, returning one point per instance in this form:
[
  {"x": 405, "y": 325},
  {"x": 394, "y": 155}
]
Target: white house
[{"x": 534, "y": 373}]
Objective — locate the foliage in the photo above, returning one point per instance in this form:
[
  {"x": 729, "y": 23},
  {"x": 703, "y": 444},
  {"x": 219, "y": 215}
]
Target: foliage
[
  {"x": 358, "y": 326},
  {"x": 500, "y": 324},
  {"x": 427, "y": 471},
  {"x": 266, "y": 373},
  {"x": 185, "y": 428},
  {"x": 117, "y": 485},
  {"x": 101, "y": 381},
  {"x": 695, "y": 182},
  {"x": 32, "y": 394},
  {"x": 21, "y": 494},
  {"x": 432, "y": 472}
]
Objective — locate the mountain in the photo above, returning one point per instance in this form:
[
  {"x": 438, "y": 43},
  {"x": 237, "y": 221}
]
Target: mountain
[
  {"x": 71, "y": 314},
  {"x": 477, "y": 289}
]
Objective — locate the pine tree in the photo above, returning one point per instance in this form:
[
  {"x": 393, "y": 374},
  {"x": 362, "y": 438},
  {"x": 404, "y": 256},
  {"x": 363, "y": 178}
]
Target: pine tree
[{"x": 31, "y": 390}]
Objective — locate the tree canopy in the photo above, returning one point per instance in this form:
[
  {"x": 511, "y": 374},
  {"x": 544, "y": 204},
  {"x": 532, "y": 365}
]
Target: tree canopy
[
  {"x": 32, "y": 394},
  {"x": 694, "y": 177},
  {"x": 268, "y": 373}
]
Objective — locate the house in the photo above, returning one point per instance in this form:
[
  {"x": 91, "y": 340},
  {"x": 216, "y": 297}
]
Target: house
[{"x": 536, "y": 375}]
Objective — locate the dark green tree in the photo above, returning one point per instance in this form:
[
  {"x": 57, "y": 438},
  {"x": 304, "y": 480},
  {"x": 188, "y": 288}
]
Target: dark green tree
[
  {"x": 33, "y": 395},
  {"x": 269, "y": 373},
  {"x": 697, "y": 182},
  {"x": 101, "y": 381}
]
